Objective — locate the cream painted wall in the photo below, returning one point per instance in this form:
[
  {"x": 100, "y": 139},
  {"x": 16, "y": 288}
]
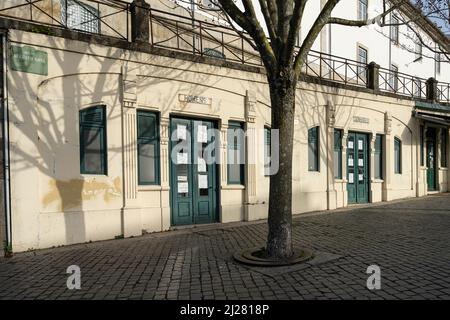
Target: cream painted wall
[{"x": 54, "y": 205}]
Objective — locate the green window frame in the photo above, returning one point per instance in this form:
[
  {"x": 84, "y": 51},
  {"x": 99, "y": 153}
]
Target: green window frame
[
  {"x": 313, "y": 149},
  {"x": 93, "y": 145},
  {"x": 422, "y": 145},
  {"x": 337, "y": 157},
  {"x": 267, "y": 150},
  {"x": 378, "y": 157},
  {"x": 444, "y": 133},
  {"x": 148, "y": 147},
  {"x": 236, "y": 152},
  {"x": 398, "y": 155}
]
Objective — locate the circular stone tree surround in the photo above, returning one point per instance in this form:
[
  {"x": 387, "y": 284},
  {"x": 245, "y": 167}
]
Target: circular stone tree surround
[{"x": 257, "y": 257}]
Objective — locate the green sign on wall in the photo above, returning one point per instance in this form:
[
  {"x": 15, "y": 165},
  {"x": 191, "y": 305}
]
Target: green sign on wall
[{"x": 28, "y": 59}]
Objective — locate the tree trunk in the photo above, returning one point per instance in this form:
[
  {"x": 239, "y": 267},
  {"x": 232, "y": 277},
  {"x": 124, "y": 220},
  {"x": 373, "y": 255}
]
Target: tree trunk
[{"x": 282, "y": 94}]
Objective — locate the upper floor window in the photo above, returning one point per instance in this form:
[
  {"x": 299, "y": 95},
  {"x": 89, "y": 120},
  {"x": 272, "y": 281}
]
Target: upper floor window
[
  {"x": 393, "y": 78},
  {"x": 397, "y": 155},
  {"x": 236, "y": 152},
  {"x": 394, "y": 30},
  {"x": 418, "y": 49},
  {"x": 80, "y": 16},
  {"x": 313, "y": 149},
  {"x": 417, "y": 87},
  {"x": 362, "y": 9},
  {"x": 147, "y": 147},
  {"x": 93, "y": 158},
  {"x": 362, "y": 59},
  {"x": 437, "y": 58}
]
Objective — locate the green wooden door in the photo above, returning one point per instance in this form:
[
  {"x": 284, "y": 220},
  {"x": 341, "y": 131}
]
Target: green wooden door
[
  {"x": 357, "y": 168},
  {"x": 431, "y": 159},
  {"x": 193, "y": 172}
]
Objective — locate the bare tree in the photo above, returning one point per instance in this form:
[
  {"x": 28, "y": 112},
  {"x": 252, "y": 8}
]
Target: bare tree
[{"x": 283, "y": 63}]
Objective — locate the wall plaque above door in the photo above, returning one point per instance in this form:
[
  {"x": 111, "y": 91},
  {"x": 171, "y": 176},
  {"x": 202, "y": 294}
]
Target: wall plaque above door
[{"x": 187, "y": 98}]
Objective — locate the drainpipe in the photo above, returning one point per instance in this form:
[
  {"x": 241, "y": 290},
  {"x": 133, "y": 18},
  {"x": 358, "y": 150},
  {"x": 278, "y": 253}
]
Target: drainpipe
[{"x": 5, "y": 129}]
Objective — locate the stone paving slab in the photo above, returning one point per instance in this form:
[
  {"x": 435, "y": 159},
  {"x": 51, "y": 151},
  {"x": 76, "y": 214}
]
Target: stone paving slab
[{"x": 409, "y": 240}]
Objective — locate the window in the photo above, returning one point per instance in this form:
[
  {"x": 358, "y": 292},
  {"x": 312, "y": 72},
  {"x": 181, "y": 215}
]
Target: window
[
  {"x": 362, "y": 9},
  {"x": 236, "y": 153},
  {"x": 417, "y": 87},
  {"x": 437, "y": 57},
  {"x": 394, "y": 29},
  {"x": 337, "y": 158},
  {"x": 147, "y": 147},
  {"x": 393, "y": 78},
  {"x": 418, "y": 49},
  {"x": 422, "y": 144},
  {"x": 362, "y": 65},
  {"x": 444, "y": 134},
  {"x": 93, "y": 141},
  {"x": 397, "y": 155},
  {"x": 313, "y": 149},
  {"x": 80, "y": 16},
  {"x": 378, "y": 157},
  {"x": 267, "y": 151}
]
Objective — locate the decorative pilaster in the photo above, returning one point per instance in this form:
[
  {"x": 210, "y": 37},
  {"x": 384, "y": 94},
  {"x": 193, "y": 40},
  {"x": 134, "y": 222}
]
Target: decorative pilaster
[
  {"x": 250, "y": 155},
  {"x": 387, "y": 161},
  {"x": 164, "y": 152},
  {"x": 372, "y": 157},
  {"x": 344, "y": 167},
  {"x": 223, "y": 153},
  {"x": 129, "y": 137},
  {"x": 129, "y": 154},
  {"x": 331, "y": 119},
  {"x": 165, "y": 161},
  {"x": 131, "y": 215}
]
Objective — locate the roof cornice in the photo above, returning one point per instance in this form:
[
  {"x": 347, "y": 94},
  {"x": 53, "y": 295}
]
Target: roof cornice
[{"x": 426, "y": 24}]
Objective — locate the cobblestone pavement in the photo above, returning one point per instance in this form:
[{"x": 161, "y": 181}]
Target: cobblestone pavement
[{"x": 409, "y": 240}]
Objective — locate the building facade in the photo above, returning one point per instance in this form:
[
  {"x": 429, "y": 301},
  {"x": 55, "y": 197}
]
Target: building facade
[{"x": 109, "y": 114}]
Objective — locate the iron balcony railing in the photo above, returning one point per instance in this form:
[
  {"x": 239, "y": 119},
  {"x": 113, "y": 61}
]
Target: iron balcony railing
[
  {"x": 402, "y": 84},
  {"x": 188, "y": 34}
]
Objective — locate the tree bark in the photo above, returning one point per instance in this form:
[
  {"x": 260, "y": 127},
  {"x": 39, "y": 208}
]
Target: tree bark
[{"x": 282, "y": 94}]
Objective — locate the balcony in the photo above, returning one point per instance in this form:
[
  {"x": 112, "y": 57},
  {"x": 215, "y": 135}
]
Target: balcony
[{"x": 164, "y": 30}]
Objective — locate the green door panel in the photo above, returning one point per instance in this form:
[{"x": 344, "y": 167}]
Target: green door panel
[
  {"x": 431, "y": 159},
  {"x": 197, "y": 177},
  {"x": 181, "y": 174},
  {"x": 357, "y": 168},
  {"x": 351, "y": 186}
]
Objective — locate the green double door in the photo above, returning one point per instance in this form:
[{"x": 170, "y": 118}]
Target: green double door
[
  {"x": 357, "y": 168},
  {"x": 192, "y": 172},
  {"x": 431, "y": 159}
]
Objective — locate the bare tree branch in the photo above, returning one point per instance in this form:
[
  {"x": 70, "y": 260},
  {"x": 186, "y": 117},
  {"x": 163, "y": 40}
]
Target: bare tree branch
[
  {"x": 267, "y": 18},
  {"x": 319, "y": 23},
  {"x": 249, "y": 23}
]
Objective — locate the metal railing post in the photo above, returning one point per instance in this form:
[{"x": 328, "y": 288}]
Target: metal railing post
[
  {"x": 139, "y": 20},
  {"x": 373, "y": 74},
  {"x": 432, "y": 89}
]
